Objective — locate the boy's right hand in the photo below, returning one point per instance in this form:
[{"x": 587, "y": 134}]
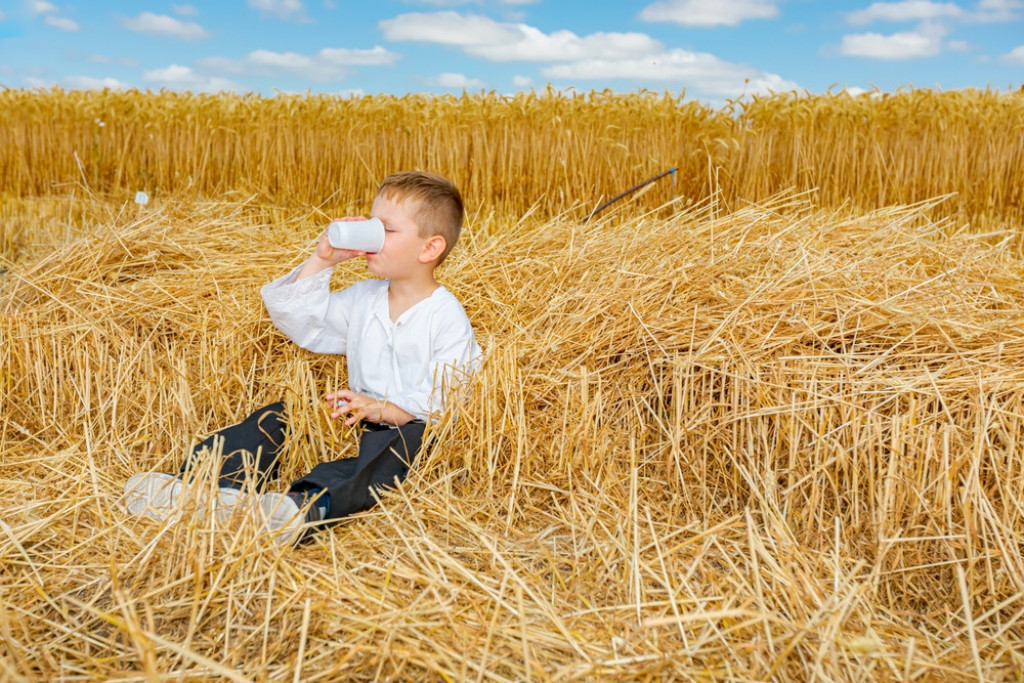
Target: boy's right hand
[
  {"x": 333, "y": 255},
  {"x": 326, "y": 256}
]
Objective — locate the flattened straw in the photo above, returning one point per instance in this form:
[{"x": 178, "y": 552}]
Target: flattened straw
[
  {"x": 524, "y": 639},
  {"x": 655, "y": 437},
  {"x": 303, "y": 634},
  {"x": 192, "y": 656},
  {"x": 835, "y": 555},
  {"x": 665, "y": 579},
  {"x": 756, "y": 578},
  {"x": 909, "y": 660},
  {"x": 965, "y": 599}
]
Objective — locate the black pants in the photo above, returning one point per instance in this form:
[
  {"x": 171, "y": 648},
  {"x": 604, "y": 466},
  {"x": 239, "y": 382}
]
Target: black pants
[{"x": 252, "y": 448}]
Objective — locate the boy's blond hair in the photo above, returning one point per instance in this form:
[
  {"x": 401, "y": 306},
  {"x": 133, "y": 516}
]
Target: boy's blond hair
[{"x": 437, "y": 207}]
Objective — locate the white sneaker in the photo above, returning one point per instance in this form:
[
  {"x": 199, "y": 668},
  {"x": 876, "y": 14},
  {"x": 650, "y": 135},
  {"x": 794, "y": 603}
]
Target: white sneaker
[
  {"x": 225, "y": 504},
  {"x": 159, "y": 495},
  {"x": 284, "y": 517},
  {"x": 153, "y": 494}
]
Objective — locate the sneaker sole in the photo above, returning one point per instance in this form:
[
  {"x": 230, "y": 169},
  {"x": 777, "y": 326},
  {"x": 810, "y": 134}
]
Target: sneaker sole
[
  {"x": 153, "y": 494},
  {"x": 281, "y": 517},
  {"x": 227, "y": 500}
]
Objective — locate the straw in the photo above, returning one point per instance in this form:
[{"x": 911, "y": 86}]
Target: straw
[{"x": 772, "y": 441}]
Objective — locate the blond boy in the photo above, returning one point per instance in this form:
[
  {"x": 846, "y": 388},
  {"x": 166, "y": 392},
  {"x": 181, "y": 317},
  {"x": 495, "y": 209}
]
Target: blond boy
[{"x": 406, "y": 339}]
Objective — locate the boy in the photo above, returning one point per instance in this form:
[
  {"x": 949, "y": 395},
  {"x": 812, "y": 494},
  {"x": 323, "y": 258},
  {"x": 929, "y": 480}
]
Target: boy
[{"x": 407, "y": 340}]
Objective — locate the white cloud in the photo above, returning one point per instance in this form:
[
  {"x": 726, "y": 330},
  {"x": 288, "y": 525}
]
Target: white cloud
[
  {"x": 185, "y": 10},
  {"x": 174, "y": 73},
  {"x": 178, "y": 77},
  {"x": 329, "y": 64},
  {"x": 63, "y": 23},
  {"x": 522, "y": 81},
  {"x": 34, "y": 82},
  {"x": 375, "y": 56},
  {"x": 909, "y": 10},
  {"x": 997, "y": 11},
  {"x": 854, "y": 91},
  {"x": 107, "y": 59},
  {"x": 903, "y": 45},
  {"x": 163, "y": 25},
  {"x": 635, "y": 57},
  {"x": 709, "y": 12},
  {"x": 698, "y": 70},
  {"x": 457, "y": 3},
  {"x": 986, "y": 11},
  {"x": 2, "y": 15},
  {"x": 934, "y": 21},
  {"x": 508, "y": 42},
  {"x": 285, "y": 61},
  {"x": 48, "y": 8},
  {"x": 92, "y": 83},
  {"x": 1014, "y": 56},
  {"x": 448, "y": 28},
  {"x": 279, "y": 8},
  {"x": 457, "y": 82}
]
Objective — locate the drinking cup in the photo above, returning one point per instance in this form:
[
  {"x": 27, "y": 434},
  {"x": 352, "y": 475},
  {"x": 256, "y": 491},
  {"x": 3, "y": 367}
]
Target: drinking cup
[{"x": 365, "y": 235}]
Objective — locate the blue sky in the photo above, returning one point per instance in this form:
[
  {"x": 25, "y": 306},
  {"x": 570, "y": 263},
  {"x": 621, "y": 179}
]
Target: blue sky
[{"x": 714, "y": 49}]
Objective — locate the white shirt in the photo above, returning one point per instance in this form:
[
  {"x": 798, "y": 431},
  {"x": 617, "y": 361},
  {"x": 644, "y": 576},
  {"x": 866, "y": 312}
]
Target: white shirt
[{"x": 409, "y": 362}]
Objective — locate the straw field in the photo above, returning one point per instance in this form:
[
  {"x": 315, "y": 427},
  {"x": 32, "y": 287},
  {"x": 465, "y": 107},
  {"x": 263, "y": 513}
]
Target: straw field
[{"x": 714, "y": 437}]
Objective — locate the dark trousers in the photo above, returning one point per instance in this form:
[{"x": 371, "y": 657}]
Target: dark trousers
[{"x": 253, "y": 446}]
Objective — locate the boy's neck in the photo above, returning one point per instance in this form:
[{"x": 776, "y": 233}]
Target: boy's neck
[{"x": 406, "y": 292}]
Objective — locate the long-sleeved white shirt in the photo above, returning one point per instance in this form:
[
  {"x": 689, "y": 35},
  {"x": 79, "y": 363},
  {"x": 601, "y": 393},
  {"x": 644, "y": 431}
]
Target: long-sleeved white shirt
[{"x": 410, "y": 362}]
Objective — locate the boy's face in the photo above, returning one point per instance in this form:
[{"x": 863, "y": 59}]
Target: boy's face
[{"x": 403, "y": 245}]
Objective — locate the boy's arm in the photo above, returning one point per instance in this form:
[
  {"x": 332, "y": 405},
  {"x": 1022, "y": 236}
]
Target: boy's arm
[{"x": 302, "y": 305}]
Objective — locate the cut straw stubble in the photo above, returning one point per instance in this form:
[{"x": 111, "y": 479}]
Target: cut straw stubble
[{"x": 644, "y": 481}]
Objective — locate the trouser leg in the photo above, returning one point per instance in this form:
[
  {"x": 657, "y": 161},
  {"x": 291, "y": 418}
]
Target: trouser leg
[
  {"x": 251, "y": 445},
  {"x": 384, "y": 456}
]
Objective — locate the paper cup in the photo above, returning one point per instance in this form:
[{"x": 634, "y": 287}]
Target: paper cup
[{"x": 365, "y": 236}]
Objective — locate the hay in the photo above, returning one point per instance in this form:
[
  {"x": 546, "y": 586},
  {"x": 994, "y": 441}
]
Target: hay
[{"x": 771, "y": 443}]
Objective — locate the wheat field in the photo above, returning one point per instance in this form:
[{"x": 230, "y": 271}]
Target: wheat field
[
  {"x": 730, "y": 428},
  {"x": 547, "y": 152}
]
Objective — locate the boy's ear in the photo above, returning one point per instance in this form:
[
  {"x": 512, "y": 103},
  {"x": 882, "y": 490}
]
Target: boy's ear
[{"x": 433, "y": 249}]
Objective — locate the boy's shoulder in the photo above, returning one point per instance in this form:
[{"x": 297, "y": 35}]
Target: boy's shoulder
[
  {"x": 445, "y": 297},
  {"x": 448, "y": 308}
]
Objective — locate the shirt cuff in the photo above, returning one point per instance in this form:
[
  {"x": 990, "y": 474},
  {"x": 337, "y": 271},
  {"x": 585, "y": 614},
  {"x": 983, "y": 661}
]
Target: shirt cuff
[{"x": 287, "y": 287}]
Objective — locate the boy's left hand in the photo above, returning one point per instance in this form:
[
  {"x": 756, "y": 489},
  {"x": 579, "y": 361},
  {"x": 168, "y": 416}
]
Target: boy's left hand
[{"x": 357, "y": 406}]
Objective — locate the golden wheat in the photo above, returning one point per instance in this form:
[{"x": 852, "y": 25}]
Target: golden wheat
[{"x": 550, "y": 151}]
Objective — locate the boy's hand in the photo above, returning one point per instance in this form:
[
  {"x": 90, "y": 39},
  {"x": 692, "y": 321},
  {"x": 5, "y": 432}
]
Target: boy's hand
[
  {"x": 327, "y": 256},
  {"x": 325, "y": 251},
  {"x": 359, "y": 407}
]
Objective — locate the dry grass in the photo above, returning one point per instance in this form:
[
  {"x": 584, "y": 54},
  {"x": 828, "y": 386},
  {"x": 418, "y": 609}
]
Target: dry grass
[{"x": 775, "y": 442}]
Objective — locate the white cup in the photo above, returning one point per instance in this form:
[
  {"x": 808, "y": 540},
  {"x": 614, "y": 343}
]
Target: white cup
[{"x": 365, "y": 236}]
